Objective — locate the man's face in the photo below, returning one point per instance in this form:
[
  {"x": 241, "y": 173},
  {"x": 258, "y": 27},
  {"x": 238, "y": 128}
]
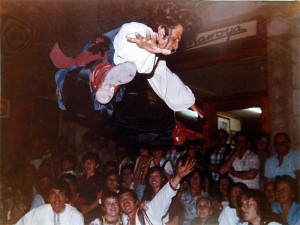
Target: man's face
[
  {"x": 112, "y": 182},
  {"x": 57, "y": 199},
  {"x": 241, "y": 143},
  {"x": 221, "y": 139},
  {"x": 234, "y": 194},
  {"x": 158, "y": 154},
  {"x": 128, "y": 204},
  {"x": 90, "y": 165},
  {"x": 111, "y": 207},
  {"x": 144, "y": 152},
  {"x": 262, "y": 144},
  {"x": 171, "y": 41},
  {"x": 282, "y": 145}
]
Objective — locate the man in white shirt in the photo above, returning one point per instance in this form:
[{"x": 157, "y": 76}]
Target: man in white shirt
[
  {"x": 243, "y": 164},
  {"x": 135, "y": 47},
  {"x": 57, "y": 212},
  {"x": 157, "y": 208}
]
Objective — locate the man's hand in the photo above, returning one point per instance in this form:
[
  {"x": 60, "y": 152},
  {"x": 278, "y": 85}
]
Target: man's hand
[
  {"x": 183, "y": 170},
  {"x": 148, "y": 43}
]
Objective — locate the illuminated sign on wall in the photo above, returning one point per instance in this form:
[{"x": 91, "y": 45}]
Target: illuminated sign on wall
[{"x": 223, "y": 35}]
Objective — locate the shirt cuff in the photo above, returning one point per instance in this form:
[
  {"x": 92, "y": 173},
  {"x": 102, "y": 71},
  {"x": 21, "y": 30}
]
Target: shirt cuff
[{"x": 173, "y": 188}]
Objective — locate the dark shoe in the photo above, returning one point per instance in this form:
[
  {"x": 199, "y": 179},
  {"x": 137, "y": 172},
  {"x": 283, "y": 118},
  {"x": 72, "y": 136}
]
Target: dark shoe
[{"x": 106, "y": 79}]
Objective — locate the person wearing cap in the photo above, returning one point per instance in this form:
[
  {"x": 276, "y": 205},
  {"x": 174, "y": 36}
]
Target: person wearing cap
[{"x": 57, "y": 212}]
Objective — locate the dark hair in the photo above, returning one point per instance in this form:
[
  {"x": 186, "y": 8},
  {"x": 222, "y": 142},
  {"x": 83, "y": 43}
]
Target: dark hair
[
  {"x": 264, "y": 208},
  {"x": 111, "y": 173},
  {"x": 70, "y": 176},
  {"x": 220, "y": 131},
  {"x": 229, "y": 179},
  {"x": 131, "y": 192},
  {"x": 226, "y": 177},
  {"x": 62, "y": 186},
  {"x": 110, "y": 163},
  {"x": 171, "y": 14},
  {"x": 265, "y": 135},
  {"x": 91, "y": 156},
  {"x": 191, "y": 174},
  {"x": 241, "y": 134},
  {"x": 70, "y": 158},
  {"x": 148, "y": 193},
  {"x": 241, "y": 185},
  {"x": 127, "y": 166}
]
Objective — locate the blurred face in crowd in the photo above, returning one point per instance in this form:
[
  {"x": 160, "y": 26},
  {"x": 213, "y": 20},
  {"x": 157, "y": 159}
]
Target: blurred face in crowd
[
  {"x": 241, "y": 143},
  {"x": 195, "y": 181},
  {"x": 224, "y": 184},
  {"x": 262, "y": 144},
  {"x": 112, "y": 182},
  {"x": 284, "y": 193},
  {"x": 111, "y": 207},
  {"x": 282, "y": 145},
  {"x": 90, "y": 146},
  {"x": 204, "y": 209},
  {"x": 221, "y": 139},
  {"x": 192, "y": 151},
  {"x": 269, "y": 192},
  {"x": 155, "y": 180},
  {"x": 57, "y": 199},
  {"x": 158, "y": 154},
  {"x": 234, "y": 194},
  {"x": 121, "y": 153},
  {"x": 144, "y": 152},
  {"x": 127, "y": 175},
  {"x": 250, "y": 210},
  {"x": 90, "y": 166}
]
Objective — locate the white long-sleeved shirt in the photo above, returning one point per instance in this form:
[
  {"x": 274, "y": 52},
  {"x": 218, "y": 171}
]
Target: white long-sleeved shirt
[
  {"x": 166, "y": 85},
  {"x": 157, "y": 207},
  {"x": 44, "y": 215}
]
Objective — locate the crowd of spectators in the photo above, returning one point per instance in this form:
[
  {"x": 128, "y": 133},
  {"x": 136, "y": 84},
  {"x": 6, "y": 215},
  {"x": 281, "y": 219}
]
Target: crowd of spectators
[{"x": 192, "y": 184}]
